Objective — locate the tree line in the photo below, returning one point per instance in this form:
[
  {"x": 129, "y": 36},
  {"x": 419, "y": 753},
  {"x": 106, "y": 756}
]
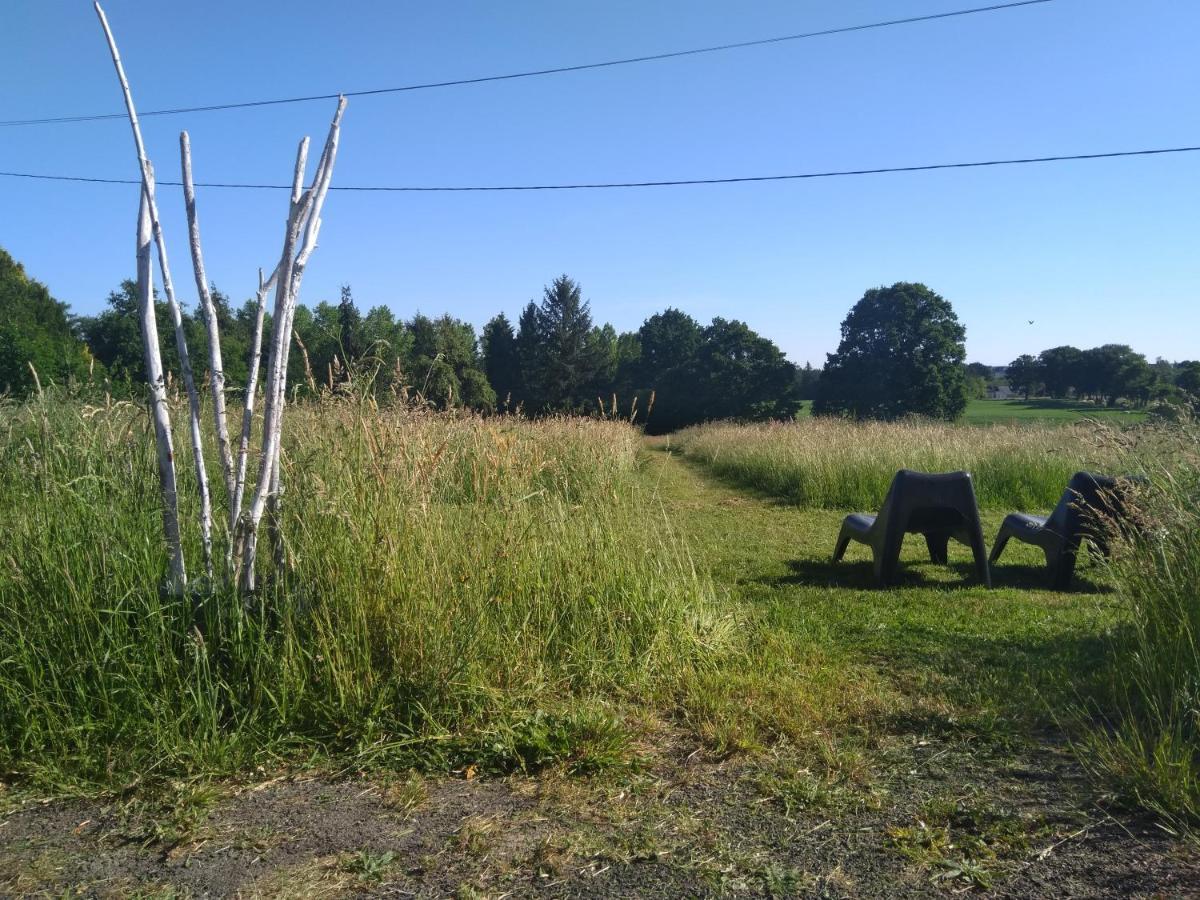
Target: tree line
[
  {"x": 555, "y": 358},
  {"x": 1104, "y": 374},
  {"x": 902, "y": 352}
]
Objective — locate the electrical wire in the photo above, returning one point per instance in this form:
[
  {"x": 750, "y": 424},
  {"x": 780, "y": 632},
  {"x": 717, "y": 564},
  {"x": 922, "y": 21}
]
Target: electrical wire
[
  {"x": 678, "y": 182},
  {"x": 674, "y": 54}
]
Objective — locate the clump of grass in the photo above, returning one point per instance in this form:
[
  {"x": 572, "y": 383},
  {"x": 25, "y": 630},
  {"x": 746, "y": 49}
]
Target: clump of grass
[
  {"x": 1149, "y": 746},
  {"x": 837, "y": 464},
  {"x": 962, "y": 839},
  {"x": 450, "y": 577}
]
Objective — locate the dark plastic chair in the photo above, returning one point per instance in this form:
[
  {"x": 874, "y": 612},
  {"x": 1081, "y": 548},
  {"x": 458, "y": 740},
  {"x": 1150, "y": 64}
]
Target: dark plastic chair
[
  {"x": 1088, "y": 504},
  {"x": 940, "y": 507}
]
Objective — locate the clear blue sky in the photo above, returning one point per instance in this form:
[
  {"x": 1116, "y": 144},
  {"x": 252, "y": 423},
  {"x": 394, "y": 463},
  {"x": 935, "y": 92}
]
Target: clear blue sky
[{"x": 1093, "y": 252}]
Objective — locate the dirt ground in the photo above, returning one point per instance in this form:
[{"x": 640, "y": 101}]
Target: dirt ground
[{"x": 941, "y": 819}]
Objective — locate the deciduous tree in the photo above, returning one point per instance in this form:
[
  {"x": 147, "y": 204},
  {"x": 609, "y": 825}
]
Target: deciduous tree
[
  {"x": 1025, "y": 375},
  {"x": 901, "y": 353}
]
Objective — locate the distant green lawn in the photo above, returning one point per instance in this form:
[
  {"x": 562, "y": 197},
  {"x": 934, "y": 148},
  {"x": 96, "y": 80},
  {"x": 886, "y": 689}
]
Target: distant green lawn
[{"x": 989, "y": 412}]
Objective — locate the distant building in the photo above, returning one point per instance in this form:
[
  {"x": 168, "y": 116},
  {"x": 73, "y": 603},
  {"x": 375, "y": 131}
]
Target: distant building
[
  {"x": 997, "y": 388},
  {"x": 1001, "y": 392}
]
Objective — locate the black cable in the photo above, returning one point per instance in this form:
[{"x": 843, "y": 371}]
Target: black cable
[
  {"x": 535, "y": 72},
  {"x": 637, "y": 184}
]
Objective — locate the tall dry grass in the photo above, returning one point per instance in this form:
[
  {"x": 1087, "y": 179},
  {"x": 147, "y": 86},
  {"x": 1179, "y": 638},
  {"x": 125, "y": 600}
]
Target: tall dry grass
[
  {"x": 839, "y": 464},
  {"x": 459, "y": 588},
  {"x": 1148, "y": 744}
]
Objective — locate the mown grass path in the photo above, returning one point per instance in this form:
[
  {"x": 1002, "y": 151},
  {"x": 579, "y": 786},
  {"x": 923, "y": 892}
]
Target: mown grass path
[{"x": 1005, "y": 659}]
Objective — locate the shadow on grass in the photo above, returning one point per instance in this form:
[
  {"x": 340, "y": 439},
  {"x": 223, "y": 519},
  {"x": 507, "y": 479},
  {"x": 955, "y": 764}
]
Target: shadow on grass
[
  {"x": 859, "y": 575},
  {"x": 998, "y": 686},
  {"x": 1007, "y": 673}
]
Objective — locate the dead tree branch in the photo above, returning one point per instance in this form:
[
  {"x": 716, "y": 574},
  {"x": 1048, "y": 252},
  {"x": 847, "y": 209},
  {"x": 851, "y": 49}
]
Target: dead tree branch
[
  {"x": 168, "y": 289},
  {"x": 209, "y": 311},
  {"x": 304, "y": 216},
  {"x": 159, "y": 411}
]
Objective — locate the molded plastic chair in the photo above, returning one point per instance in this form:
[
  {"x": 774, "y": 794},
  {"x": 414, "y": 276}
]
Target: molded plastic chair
[
  {"x": 1085, "y": 505},
  {"x": 939, "y": 507}
]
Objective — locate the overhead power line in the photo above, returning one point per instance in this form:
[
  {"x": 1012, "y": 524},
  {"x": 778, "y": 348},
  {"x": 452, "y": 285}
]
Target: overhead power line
[
  {"x": 558, "y": 70},
  {"x": 679, "y": 182}
]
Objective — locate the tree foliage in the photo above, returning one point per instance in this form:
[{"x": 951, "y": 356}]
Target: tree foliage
[
  {"x": 37, "y": 330},
  {"x": 1025, "y": 375},
  {"x": 901, "y": 353},
  {"x": 500, "y": 361},
  {"x": 562, "y": 357},
  {"x": 1107, "y": 374}
]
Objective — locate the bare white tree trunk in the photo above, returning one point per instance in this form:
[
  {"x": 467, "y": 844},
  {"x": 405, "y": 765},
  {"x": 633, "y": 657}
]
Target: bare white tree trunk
[
  {"x": 168, "y": 289},
  {"x": 216, "y": 364},
  {"x": 304, "y": 213},
  {"x": 158, "y": 402},
  {"x": 235, "y": 506},
  {"x": 248, "y": 527}
]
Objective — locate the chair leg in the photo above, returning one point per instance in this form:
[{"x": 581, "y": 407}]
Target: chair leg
[
  {"x": 982, "y": 569},
  {"x": 1000, "y": 544},
  {"x": 839, "y": 551},
  {"x": 887, "y": 563},
  {"x": 1062, "y": 568},
  {"x": 938, "y": 542}
]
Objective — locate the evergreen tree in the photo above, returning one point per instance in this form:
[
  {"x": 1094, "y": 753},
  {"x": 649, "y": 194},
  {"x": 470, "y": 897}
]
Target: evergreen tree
[
  {"x": 529, "y": 342},
  {"x": 500, "y": 360},
  {"x": 446, "y": 368},
  {"x": 349, "y": 326},
  {"x": 601, "y": 359},
  {"x": 626, "y": 381},
  {"x": 566, "y": 362}
]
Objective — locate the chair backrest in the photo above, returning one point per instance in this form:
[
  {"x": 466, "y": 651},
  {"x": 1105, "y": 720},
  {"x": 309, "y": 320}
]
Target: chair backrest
[
  {"x": 921, "y": 501},
  {"x": 1086, "y": 504}
]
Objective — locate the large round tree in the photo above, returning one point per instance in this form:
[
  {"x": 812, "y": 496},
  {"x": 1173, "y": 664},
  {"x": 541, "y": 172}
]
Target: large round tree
[{"x": 901, "y": 354}]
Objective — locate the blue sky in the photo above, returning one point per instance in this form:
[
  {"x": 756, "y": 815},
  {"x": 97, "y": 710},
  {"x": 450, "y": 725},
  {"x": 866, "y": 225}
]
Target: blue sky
[{"x": 1093, "y": 252}]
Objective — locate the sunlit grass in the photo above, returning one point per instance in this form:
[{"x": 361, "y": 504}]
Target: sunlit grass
[
  {"x": 839, "y": 464},
  {"x": 505, "y": 595},
  {"x": 459, "y": 588},
  {"x": 1148, "y": 744}
]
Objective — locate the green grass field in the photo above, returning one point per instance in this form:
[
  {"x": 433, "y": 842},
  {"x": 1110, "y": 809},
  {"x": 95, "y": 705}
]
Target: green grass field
[
  {"x": 992, "y": 412},
  {"x": 1147, "y": 739},
  {"x": 987, "y": 412},
  {"x": 565, "y": 597}
]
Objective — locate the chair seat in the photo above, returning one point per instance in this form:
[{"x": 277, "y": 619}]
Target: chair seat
[
  {"x": 860, "y": 523},
  {"x": 1025, "y": 522}
]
